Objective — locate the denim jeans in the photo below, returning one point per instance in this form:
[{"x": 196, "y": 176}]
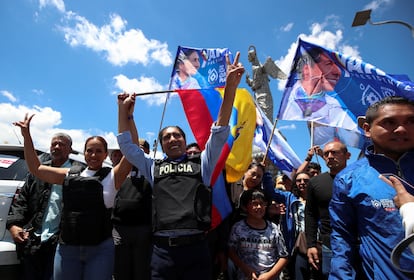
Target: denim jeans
[
  {"x": 85, "y": 262},
  {"x": 326, "y": 260}
]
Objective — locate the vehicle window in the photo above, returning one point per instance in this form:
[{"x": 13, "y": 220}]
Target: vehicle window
[{"x": 16, "y": 171}]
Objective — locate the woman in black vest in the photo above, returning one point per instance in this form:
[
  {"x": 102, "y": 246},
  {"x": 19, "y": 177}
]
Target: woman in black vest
[{"x": 81, "y": 253}]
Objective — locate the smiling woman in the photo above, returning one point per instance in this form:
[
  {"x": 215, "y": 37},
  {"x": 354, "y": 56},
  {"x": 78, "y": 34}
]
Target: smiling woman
[{"x": 95, "y": 190}]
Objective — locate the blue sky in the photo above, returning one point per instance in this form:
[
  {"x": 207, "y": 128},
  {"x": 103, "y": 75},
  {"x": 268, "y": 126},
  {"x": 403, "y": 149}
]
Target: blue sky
[{"x": 66, "y": 60}]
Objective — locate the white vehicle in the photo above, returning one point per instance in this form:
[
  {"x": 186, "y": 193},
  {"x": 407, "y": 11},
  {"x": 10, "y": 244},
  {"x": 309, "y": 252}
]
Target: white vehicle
[{"x": 13, "y": 172}]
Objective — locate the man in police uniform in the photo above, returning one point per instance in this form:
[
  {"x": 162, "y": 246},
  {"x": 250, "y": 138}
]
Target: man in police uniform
[{"x": 181, "y": 193}]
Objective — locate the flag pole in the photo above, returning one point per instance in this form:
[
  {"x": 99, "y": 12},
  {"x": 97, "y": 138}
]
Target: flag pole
[
  {"x": 153, "y": 92},
  {"x": 162, "y": 119},
  {"x": 270, "y": 141},
  {"x": 315, "y": 151},
  {"x": 163, "y": 111},
  {"x": 311, "y": 133}
]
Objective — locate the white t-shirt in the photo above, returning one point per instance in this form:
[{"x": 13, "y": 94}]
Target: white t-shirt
[{"x": 258, "y": 248}]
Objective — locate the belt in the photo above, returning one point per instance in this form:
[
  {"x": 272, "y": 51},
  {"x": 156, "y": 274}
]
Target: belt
[{"x": 178, "y": 241}]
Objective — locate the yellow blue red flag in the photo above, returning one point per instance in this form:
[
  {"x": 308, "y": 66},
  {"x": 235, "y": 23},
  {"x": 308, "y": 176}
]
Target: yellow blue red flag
[{"x": 201, "y": 108}]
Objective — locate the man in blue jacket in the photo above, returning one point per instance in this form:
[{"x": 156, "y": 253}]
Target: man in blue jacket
[{"x": 365, "y": 221}]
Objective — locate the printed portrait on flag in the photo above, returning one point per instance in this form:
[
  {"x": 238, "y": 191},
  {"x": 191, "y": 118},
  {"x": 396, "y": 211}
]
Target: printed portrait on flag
[
  {"x": 333, "y": 90},
  {"x": 310, "y": 94},
  {"x": 197, "y": 68}
]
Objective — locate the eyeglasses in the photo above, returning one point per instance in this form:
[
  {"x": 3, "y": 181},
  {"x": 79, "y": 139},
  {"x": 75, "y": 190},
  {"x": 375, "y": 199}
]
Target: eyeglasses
[{"x": 300, "y": 180}]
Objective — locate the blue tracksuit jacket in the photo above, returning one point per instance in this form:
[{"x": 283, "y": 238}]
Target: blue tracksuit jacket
[{"x": 365, "y": 222}]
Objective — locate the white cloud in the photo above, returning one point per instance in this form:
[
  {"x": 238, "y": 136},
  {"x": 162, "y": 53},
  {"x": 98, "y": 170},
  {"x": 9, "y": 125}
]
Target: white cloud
[
  {"x": 120, "y": 46},
  {"x": 8, "y": 95},
  {"x": 287, "y": 27},
  {"x": 377, "y": 4},
  {"x": 58, "y": 4},
  {"x": 141, "y": 85},
  {"x": 327, "y": 34},
  {"x": 44, "y": 124}
]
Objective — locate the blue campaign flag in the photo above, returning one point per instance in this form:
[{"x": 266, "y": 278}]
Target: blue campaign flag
[
  {"x": 279, "y": 152},
  {"x": 332, "y": 90},
  {"x": 199, "y": 68}
]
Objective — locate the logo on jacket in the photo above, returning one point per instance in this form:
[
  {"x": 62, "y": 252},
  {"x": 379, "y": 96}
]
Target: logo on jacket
[{"x": 387, "y": 204}]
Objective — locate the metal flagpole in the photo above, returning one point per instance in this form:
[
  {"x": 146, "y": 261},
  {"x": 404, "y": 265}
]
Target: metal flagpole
[
  {"x": 315, "y": 152},
  {"x": 163, "y": 111},
  {"x": 312, "y": 127},
  {"x": 270, "y": 141},
  {"x": 153, "y": 92}
]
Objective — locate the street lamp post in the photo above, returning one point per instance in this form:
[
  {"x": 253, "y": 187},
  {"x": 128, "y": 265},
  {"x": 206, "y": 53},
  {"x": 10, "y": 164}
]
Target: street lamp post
[{"x": 362, "y": 17}]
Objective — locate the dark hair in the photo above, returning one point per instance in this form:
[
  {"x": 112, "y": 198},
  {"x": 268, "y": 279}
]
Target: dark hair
[
  {"x": 372, "y": 111},
  {"x": 295, "y": 189},
  {"x": 165, "y": 128},
  {"x": 145, "y": 143},
  {"x": 251, "y": 194},
  {"x": 194, "y": 144},
  {"x": 256, "y": 164},
  {"x": 314, "y": 165},
  {"x": 100, "y": 139},
  {"x": 308, "y": 57},
  {"x": 182, "y": 55}
]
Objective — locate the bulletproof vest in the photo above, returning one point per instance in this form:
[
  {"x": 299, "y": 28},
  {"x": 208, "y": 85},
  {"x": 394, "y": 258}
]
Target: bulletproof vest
[
  {"x": 180, "y": 199},
  {"x": 132, "y": 205},
  {"x": 85, "y": 219}
]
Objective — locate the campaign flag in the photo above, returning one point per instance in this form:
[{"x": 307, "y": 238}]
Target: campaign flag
[
  {"x": 279, "y": 152},
  {"x": 201, "y": 108},
  {"x": 333, "y": 89},
  {"x": 323, "y": 134},
  {"x": 199, "y": 68}
]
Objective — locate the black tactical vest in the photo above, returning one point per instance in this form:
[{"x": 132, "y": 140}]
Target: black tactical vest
[
  {"x": 132, "y": 205},
  {"x": 85, "y": 219},
  {"x": 180, "y": 199}
]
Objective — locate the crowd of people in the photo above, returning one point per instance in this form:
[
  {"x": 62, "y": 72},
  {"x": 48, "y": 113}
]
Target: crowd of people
[{"x": 150, "y": 219}]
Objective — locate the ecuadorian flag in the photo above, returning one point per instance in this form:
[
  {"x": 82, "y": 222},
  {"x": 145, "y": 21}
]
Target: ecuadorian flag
[{"x": 201, "y": 107}]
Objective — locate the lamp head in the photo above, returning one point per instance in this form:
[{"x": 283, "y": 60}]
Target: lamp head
[{"x": 361, "y": 18}]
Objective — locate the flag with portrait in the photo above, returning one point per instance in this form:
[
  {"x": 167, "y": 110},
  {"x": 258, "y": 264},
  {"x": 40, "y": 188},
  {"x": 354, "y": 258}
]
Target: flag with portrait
[
  {"x": 199, "y": 68},
  {"x": 332, "y": 89}
]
